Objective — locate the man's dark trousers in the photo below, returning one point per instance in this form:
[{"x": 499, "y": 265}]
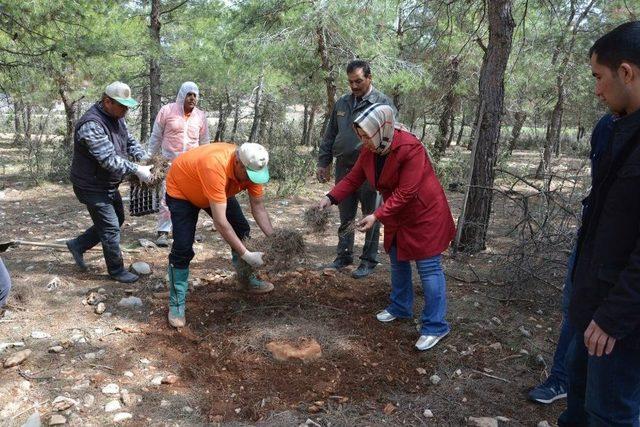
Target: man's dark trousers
[
  {"x": 107, "y": 213},
  {"x": 184, "y": 218},
  {"x": 369, "y": 200},
  {"x": 603, "y": 391}
]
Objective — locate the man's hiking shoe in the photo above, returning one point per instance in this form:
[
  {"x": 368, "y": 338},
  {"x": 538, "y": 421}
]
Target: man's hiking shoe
[{"x": 77, "y": 255}]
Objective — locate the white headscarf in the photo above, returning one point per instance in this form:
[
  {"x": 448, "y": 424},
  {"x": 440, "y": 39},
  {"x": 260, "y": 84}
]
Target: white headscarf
[
  {"x": 378, "y": 123},
  {"x": 184, "y": 90}
]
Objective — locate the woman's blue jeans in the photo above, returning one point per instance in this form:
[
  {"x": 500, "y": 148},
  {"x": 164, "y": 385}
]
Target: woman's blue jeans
[{"x": 433, "y": 286}]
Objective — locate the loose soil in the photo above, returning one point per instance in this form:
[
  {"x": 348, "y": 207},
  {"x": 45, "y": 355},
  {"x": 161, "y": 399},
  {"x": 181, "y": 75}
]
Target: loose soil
[{"x": 369, "y": 372}]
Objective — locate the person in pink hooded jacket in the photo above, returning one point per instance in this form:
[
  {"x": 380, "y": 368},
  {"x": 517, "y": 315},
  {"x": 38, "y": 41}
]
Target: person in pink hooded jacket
[{"x": 179, "y": 127}]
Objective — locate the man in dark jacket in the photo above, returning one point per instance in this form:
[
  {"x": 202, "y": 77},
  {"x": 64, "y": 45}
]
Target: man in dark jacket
[
  {"x": 102, "y": 145},
  {"x": 340, "y": 141},
  {"x": 603, "y": 359}
]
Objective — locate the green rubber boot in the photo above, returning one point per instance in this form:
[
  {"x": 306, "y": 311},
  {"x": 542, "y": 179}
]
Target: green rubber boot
[
  {"x": 247, "y": 278},
  {"x": 178, "y": 286}
]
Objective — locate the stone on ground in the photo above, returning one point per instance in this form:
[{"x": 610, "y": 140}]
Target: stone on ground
[
  {"x": 141, "y": 268},
  {"x": 17, "y": 358},
  {"x": 305, "y": 351}
]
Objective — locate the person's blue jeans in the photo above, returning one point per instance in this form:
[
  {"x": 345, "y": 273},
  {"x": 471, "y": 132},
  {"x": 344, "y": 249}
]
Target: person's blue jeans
[
  {"x": 5, "y": 284},
  {"x": 107, "y": 213},
  {"x": 558, "y": 369},
  {"x": 605, "y": 390},
  {"x": 184, "y": 217},
  {"x": 433, "y": 286}
]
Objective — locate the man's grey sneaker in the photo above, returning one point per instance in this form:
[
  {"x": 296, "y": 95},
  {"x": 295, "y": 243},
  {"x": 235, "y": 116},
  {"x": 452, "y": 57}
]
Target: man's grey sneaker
[
  {"x": 77, "y": 255},
  {"x": 549, "y": 391},
  {"x": 363, "y": 270},
  {"x": 124, "y": 277},
  {"x": 339, "y": 263}
]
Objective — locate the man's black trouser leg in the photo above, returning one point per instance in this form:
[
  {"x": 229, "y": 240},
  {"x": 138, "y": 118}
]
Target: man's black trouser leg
[{"x": 107, "y": 213}]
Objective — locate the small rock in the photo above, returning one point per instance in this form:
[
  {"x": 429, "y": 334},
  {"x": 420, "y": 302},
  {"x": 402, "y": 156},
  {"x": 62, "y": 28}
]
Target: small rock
[
  {"x": 56, "y": 349},
  {"x": 145, "y": 361},
  {"x": 39, "y": 335},
  {"x": 496, "y": 346},
  {"x": 458, "y": 372},
  {"x": 111, "y": 389},
  {"x": 62, "y": 403},
  {"x": 57, "y": 420},
  {"x": 88, "y": 400},
  {"x": 496, "y": 321},
  {"x": 187, "y": 409},
  {"x": 7, "y": 345},
  {"x": 170, "y": 379},
  {"x": 483, "y": 422},
  {"x": 305, "y": 351},
  {"x": 128, "y": 374},
  {"x": 17, "y": 358},
  {"x": 94, "y": 298},
  {"x": 141, "y": 268},
  {"x": 525, "y": 333},
  {"x": 389, "y": 408},
  {"x": 156, "y": 380},
  {"x": 427, "y": 413},
  {"x": 122, "y": 416},
  {"x": 524, "y": 352},
  {"x": 145, "y": 243},
  {"x": 112, "y": 406},
  {"x": 89, "y": 356},
  {"x": 130, "y": 302},
  {"x": 435, "y": 380},
  {"x": 25, "y": 385},
  {"x": 165, "y": 403},
  {"x": 544, "y": 423},
  {"x": 33, "y": 420},
  {"x": 100, "y": 308},
  {"x": 130, "y": 399},
  {"x": 53, "y": 284},
  {"x": 421, "y": 371}
]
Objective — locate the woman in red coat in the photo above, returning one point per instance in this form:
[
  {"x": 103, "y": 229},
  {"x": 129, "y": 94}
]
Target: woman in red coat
[{"x": 418, "y": 225}]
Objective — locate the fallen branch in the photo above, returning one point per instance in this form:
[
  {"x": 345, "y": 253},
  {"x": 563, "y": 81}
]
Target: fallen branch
[
  {"x": 14, "y": 243},
  {"x": 491, "y": 376}
]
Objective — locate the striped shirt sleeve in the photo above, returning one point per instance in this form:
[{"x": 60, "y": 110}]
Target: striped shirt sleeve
[{"x": 93, "y": 136}]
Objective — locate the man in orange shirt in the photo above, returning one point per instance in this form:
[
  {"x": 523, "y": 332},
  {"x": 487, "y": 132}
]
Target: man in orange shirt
[{"x": 207, "y": 177}]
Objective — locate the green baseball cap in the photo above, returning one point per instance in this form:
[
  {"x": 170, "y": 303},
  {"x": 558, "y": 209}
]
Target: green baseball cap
[{"x": 121, "y": 93}]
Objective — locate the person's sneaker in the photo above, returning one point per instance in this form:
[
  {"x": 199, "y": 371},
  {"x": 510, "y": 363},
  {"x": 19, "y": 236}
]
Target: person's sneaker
[
  {"x": 339, "y": 263},
  {"x": 163, "y": 239},
  {"x": 77, "y": 255},
  {"x": 363, "y": 270},
  {"x": 425, "y": 342},
  {"x": 549, "y": 391},
  {"x": 384, "y": 316},
  {"x": 124, "y": 277}
]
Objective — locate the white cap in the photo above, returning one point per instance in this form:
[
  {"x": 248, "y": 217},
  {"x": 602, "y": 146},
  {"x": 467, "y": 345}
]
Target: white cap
[
  {"x": 255, "y": 159},
  {"x": 121, "y": 93}
]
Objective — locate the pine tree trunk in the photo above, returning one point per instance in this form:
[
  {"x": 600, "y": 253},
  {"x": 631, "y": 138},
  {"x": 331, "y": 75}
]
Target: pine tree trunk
[
  {"x": 461, "y": 131},
  {"x": 154, "y": 63},
  {"x": 144, "y": 115},
  {"x": 445, "y": 133},
  {"x": 18, "y": 125},
  {"x": 236, "y": 119},
  {"x": 477, "y": 210},
  {"x": 305, "y": 124},
  {"x": 312, "y": 123},
  {"x": 329, "y": 78},
  {"x": 519, "y": 117},
  {"x": 255, "y": 127}
]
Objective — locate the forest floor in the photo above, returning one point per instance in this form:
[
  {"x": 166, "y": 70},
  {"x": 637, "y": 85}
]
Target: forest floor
[{"x": 218, "y": 369}]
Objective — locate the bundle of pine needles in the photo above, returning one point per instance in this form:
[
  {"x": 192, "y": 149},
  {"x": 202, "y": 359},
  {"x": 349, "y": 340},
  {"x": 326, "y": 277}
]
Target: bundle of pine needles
[
  {"x": 158, "y": 172},
  {"x": 282, "y": 249},
  {"x": 316, "y": 219}
]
